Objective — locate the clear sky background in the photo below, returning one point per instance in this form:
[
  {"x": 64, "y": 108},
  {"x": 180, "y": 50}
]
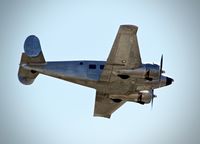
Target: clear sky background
[{"x": 52, "y": 111}]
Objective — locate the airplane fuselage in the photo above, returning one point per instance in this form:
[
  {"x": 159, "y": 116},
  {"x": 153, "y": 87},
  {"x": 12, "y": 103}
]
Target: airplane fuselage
[{"x": 87, "y": 73}]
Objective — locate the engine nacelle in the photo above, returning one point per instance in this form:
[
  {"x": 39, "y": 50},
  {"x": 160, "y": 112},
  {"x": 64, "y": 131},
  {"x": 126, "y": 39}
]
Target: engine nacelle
[
  {"x": 141, "y": 97},
  {"x": 147, "y": 71},
  {"x": 144, "y": 97}
]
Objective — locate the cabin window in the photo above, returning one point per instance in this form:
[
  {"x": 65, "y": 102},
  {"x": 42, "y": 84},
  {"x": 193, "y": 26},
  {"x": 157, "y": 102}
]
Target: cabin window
[
  {"x": 81, "y": 63},
  {"x": 101, "y": 67},
  {"x": 92, "y": 66}
]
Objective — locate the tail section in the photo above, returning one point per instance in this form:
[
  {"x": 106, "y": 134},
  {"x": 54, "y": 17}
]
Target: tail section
[{"x": 32, "y": 55}]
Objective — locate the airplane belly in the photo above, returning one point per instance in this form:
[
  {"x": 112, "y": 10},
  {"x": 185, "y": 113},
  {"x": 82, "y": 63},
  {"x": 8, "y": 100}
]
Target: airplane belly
[{"x": 69, "y": 71}]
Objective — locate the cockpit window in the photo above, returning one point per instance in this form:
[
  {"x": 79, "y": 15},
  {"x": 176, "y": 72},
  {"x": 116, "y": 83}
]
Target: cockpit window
[{"x": 92, "y": 66}]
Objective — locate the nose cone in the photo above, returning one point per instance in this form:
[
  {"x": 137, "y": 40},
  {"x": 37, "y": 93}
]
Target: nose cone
[{"x": 169, "y": 81}]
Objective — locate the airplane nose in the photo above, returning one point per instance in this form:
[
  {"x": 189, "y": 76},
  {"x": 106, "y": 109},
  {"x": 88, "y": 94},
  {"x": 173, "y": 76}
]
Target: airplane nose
[{"x": 169, "y": 81}]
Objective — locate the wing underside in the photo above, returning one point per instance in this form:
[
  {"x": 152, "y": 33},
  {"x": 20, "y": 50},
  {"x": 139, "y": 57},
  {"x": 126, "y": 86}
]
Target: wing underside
[
  {"x": 124, "y": 54},
  {"x": 104, "y": 106},
  {"x": 125, "y": 50}
]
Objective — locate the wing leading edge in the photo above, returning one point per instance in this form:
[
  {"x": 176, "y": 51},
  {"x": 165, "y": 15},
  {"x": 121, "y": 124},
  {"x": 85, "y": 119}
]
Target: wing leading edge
[{"x": 124, "y": 54}]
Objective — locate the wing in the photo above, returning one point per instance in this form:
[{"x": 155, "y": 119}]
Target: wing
[
  {"x": 125, "y": 50},
  {"x": 104, "y": 106},
  {"x": 124, "y": 54}
]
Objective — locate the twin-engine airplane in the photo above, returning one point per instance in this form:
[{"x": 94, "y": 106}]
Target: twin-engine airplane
[{"x": 121, "y": 78}]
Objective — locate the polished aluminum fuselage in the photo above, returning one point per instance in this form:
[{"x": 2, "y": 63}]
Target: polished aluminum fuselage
[{"x": 87, "y": 73}]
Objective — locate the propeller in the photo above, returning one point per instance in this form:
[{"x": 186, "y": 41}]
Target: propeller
[
  {"x": 161, "y": 65},
  {"x": 160, "y": 74},
  {"x": 160, "y": 69},
  {"x": 152, "y": 97}
]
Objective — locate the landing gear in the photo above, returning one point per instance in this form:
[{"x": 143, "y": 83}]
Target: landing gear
[
  {"x": 147, "y": 76},
  {"x": 139, "y": 100}
]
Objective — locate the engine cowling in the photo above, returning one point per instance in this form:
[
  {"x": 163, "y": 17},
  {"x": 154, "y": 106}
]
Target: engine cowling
[
  {"x": 147, "y": 71},
  {"x": 144, "y": 97},
  {"x": 141, "y": 97}
]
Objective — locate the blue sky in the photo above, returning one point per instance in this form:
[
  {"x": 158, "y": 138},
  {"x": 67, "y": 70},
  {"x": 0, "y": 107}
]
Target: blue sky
[{"x": 54, "y": 111}]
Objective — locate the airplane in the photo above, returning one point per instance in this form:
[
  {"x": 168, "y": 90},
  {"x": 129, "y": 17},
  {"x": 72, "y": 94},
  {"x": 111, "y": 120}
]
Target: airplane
[{"x": 122, "y": 78}]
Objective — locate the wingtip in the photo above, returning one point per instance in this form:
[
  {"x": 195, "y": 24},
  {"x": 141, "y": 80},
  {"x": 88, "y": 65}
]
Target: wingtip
[
  {"x": 129, "y": 27},
  {"x": 101, "y": 115}
]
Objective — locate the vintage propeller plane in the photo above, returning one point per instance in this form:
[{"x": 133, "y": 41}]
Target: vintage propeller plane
[{"x": 121, "y": 78}]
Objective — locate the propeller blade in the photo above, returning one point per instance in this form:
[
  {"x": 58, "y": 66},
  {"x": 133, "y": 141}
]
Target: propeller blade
[
  {"x": 152, "y": 103},
  {"x": 161, "y": 65},
  {"x": 152, "y": 97},
  {"x": 160, "y": 70}
]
